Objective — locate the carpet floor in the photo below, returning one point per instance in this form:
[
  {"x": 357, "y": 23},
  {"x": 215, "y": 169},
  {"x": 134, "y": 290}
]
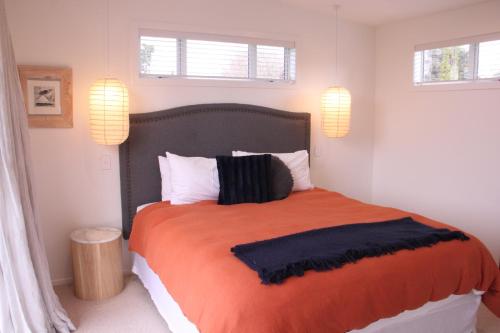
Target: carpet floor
[{"x": 133, "y": 311}]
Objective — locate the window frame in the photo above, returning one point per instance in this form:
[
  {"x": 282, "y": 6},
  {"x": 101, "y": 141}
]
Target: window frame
[
  {"x": 473, "y": 43},
  {"x": 252, "y": 43}
]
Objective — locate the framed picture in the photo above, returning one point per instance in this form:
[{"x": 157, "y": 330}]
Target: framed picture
[{"x": 48, "y": 95}]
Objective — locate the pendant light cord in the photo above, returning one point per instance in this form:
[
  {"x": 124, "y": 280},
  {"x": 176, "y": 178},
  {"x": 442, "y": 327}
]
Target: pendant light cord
[
  {"x": 336, "y": 43},
  {"x": 106, "y": 47}
]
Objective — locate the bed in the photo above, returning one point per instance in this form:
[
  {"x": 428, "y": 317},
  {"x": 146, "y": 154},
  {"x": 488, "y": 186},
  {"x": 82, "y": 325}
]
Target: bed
[{"x": 192, "y": 302}]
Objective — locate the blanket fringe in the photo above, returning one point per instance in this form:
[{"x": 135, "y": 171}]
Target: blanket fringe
[{"x": 351, "y": 256}]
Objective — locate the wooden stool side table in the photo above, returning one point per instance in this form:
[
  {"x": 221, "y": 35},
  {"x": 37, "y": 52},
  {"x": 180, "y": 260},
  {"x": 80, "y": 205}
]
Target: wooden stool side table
[{"x": 97, "y": 262}]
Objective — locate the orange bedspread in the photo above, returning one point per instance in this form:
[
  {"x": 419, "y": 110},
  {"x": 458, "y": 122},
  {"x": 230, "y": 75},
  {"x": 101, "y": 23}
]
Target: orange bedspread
[{"x": 189, "y": 248}]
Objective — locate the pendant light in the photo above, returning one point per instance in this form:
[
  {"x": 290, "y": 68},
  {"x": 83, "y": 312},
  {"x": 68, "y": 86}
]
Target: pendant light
[
  {"x": 109, "y": 107},
  {"x": 336, "y": 100}
]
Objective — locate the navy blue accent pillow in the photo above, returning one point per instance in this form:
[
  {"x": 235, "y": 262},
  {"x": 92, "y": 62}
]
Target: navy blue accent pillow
[
  {"x": 281, "y": 179},
  {"x": 250, "y": 179}
]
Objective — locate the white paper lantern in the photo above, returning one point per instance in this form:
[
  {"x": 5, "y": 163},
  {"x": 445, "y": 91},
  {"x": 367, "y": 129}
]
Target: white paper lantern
[
  {"x": 336, "y": 112},
  {"x": 109, "y": 121}
]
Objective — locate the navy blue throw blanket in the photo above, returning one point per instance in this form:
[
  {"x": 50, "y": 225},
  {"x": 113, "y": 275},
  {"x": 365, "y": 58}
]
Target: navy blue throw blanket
[{"x": 328, "y": 248}]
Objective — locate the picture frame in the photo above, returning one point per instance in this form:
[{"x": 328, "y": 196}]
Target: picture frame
[{"x": 48, "y": 95}]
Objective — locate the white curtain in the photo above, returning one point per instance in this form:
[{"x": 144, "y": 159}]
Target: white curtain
[{"x": 27, "y": 300}]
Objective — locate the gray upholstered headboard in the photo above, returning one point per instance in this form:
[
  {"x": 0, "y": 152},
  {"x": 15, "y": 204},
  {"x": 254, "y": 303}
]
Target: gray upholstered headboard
[{"x": 200, "y": 130}]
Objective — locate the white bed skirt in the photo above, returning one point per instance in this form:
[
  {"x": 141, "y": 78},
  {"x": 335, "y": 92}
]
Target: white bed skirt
[{"x": 455, "y": 314}]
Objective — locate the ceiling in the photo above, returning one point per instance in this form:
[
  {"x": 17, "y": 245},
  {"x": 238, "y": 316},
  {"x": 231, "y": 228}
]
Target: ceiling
[{"x": 378, "y": 12}]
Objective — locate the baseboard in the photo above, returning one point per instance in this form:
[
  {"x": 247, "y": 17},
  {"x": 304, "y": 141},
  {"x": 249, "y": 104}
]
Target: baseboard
[
  {"x": 69, "y": 280},
  {"x": 62, "y": 281}
]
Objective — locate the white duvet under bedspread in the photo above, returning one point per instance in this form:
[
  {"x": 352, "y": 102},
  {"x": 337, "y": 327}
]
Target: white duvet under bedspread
[{"x": 455, "y": 314}]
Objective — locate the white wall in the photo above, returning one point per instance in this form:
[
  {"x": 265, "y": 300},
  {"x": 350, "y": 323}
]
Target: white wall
[
  {"x": 71, "y": 189},
  {"x": 437, "y": 152}
]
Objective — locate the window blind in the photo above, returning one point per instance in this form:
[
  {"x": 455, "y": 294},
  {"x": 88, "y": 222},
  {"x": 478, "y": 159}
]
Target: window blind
[
  {"x": 489, "y": 60},
  {"x": 292, "y": 69},
  {"x": 218, "y": 57},
  {"x": 418, "y": 66},
  {"x": 447, "y": 63},
  {"x": 158, "y": 55},
  {"x": 271, "y": 62}
]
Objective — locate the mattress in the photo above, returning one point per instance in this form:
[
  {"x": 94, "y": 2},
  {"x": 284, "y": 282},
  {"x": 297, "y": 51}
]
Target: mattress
[{"x": 455, "y": 314}]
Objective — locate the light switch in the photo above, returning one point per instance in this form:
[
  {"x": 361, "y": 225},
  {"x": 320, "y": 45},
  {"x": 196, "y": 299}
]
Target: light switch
[{"x": 317, "y": 151}]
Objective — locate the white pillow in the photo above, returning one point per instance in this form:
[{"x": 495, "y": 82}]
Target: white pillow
[
  {"x": 192, "y": 179},
  {"x": 141, "y": 207},
  {"x": 166, "y": 187},
  {"x": 297, "y": 162}
]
